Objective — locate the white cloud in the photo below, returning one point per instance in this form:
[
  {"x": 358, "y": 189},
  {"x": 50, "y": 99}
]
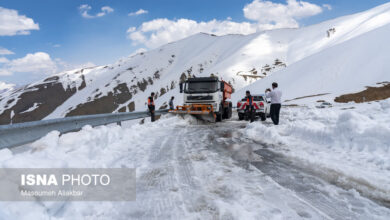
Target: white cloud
[
  {"x": 105, "y": 10},
  {"x": 271, "y": 15},
  {"x": 139, "y": 12},
  {"x": 4, "y": 51},
  {"x": 84, "y": 9},
  {"x": 38, "y": 62},
  {"x": 327, "y": 6},
  {"x": 131, "y": 29},
  {"x": 65, "y": 66},
  {"x": 5, "y": 86},
  {"x": 5, "y": 72},
  {"x": 11, "y": 23},
  {"x": 3, "y": 60},
  {"x": 264, "y": 15},
  {"x": 160, "y": 31}
]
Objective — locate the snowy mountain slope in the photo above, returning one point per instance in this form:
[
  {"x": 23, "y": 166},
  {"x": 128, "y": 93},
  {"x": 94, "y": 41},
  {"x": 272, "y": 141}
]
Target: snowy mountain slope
[
  {"x": 345, "y": 68},
  {"x": 238, "y": 59},
  {"x": 310, "y": 40},
  {"x": 44, "y": 95}
]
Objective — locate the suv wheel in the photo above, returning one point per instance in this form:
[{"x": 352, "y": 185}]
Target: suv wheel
[{"x": 262, "y": 116}]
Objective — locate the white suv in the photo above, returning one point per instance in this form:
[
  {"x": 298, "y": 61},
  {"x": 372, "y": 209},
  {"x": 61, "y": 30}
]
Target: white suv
[{"x": 261, "y": 105}]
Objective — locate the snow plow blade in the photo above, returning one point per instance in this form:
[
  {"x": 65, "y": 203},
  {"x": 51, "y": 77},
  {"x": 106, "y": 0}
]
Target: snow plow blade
[{"x": 201, "y": 111}]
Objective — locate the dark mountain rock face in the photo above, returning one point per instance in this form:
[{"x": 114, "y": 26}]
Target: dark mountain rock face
[
  {"x": 37, "y": 101},
  {"x": 48, "y": 96},
  {"x": 105, "y": 104}
]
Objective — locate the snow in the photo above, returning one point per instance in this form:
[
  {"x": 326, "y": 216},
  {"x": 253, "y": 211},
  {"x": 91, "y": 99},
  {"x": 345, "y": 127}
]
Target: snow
[
  {"x": 32, "y": 108},
  {"x": 190, "y": 170},
  {"x": 194, "y": 182},
  {"x": 346, "y": 68},
  {"x": 310, "y": 55},
  {"x": 312, "y": 58},
  {"x": 12, "y": 114},
  {"x": 350, "y": 140}
]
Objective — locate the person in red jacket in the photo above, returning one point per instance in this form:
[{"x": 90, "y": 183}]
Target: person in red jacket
[
  {"x": 249, "y": 107},
  {"x": 151, "y": 106}
]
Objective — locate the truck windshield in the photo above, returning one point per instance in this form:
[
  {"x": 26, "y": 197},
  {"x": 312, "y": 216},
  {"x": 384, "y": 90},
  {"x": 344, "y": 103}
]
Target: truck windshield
[{"x": 201, "y": 87}]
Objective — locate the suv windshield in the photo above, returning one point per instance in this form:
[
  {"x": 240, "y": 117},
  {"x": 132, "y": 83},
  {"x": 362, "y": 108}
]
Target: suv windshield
[{"x": 201, "y": 87}]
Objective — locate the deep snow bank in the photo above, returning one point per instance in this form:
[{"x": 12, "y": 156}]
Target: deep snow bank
[
  {"x": 100, "y": 147},
  {"x": 178, "y": 176},
  {"x": 349, "y": 141}
]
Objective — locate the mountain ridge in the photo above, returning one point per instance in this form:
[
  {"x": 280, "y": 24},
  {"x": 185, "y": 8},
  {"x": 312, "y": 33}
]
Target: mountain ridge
[{"x": 238, "y": 59}]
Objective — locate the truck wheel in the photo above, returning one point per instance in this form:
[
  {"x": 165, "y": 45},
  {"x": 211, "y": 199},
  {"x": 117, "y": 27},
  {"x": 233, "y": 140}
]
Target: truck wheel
[
  {"x": 225, "y": 113},
  {"x": 240, "y": 116},
  {"x": 218, "y": 117},
  {"x": 262, "y": 116}
]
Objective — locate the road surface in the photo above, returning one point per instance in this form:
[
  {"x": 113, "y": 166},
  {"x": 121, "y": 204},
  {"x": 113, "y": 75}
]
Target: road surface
[
  {"x": 179, "y": 181},
  {"x": 190, "y": 170}
]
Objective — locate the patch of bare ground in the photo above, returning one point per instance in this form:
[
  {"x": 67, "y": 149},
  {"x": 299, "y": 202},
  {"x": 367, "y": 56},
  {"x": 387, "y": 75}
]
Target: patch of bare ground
[
  {"x": 368, "y": 95},
  {"x": 304, "y": 97},
  {"x": 291, "y": 105},
  {"x": 348, "y": 108}
]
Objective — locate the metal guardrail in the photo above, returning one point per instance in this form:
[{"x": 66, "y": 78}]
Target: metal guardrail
[{"x": 23, "y": 133}]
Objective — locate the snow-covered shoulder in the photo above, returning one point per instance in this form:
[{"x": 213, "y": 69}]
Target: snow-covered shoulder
[{"x": 348, "y": 144}]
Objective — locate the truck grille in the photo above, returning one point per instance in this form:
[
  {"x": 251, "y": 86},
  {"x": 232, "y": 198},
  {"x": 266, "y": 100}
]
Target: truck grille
[{"x": 209, "y": 97}]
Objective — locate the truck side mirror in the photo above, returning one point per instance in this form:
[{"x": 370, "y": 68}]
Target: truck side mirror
[
  {"x": 222, "y": 86},
  {"x": 181, "y": 87}
]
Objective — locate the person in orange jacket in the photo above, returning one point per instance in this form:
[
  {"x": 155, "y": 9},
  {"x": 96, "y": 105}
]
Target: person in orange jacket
[{"x": 151, "y": 106}]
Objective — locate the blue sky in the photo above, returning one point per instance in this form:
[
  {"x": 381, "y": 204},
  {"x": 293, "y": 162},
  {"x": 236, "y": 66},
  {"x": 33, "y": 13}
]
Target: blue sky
[{"x": 67, "y": 39}]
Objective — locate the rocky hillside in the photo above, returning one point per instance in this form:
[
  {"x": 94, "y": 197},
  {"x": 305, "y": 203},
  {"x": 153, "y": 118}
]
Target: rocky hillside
[{"x": 238, "y": 59}]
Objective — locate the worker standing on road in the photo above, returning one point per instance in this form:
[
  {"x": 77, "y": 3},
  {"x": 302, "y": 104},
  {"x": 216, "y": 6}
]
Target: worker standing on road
[
  {"x": 276, "y": 102},
  {"x": 171, "y": 106},
  {"x": 151, "y": 106},
  {"x": 249, "y": 106}
]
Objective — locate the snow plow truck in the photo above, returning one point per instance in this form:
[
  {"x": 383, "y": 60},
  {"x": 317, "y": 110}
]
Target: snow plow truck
[{"x": 206, "y": 98}]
